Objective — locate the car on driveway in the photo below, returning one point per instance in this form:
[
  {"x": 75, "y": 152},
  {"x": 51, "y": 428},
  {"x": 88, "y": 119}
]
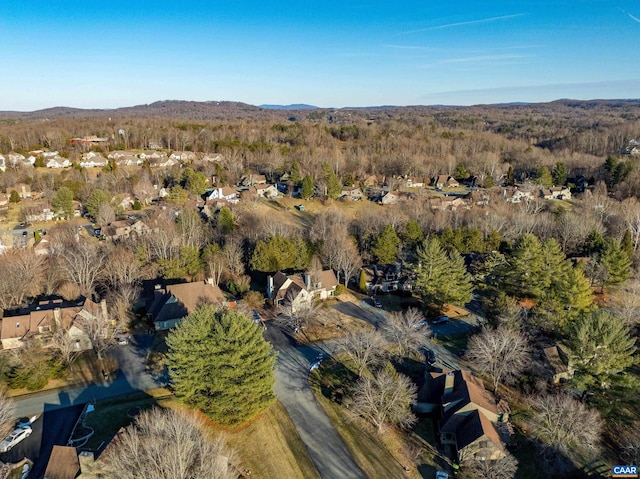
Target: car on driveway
[
  {"x": 441, "y": 319},
  {"x": 122, "y": 340},
  {"x": 430, "y": 357},
  {"x": 16, "y": 437},
  {"x": 376, "y": 302}
]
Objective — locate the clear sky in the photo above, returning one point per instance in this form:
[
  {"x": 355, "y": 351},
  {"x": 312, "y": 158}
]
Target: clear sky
[{"x": 111, "y": 53}]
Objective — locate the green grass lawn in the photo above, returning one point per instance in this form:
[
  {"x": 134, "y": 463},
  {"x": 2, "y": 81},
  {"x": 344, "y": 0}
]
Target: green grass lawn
[{"x": 111, "y": 415}]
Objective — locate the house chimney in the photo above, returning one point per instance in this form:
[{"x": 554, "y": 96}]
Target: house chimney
[
  {"x": 307, "y": 281},
  {"x": 103, "y": 308},
  {"x": 448, "y": 383},
  {"x": 270, "y": 287},
  {"x": 87, "y": 461}
]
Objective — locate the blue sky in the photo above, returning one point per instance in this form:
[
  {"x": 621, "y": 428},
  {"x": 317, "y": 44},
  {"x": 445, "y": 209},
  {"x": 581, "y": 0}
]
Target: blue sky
[{"x": 114, "y": 53}]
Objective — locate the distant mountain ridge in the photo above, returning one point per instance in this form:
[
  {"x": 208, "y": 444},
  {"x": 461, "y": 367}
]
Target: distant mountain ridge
[
  {"x": 294, "y": 106},
  {"x": 230, "y": 110}
]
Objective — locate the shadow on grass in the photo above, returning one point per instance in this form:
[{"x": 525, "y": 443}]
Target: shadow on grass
[{"x": 332, "y": 380}]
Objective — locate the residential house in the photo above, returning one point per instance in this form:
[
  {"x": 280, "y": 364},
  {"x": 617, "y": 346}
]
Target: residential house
[
  {"x": 93, "y": 160},
  {"x": 513, "y": 194},
  {"x": 157, "y": 159},
  {"x": 40, "y": 321},
  {"x": 468, "y": 414},
  {"x": 224, "y": 193},
  {"x": 387, "y": 278},
  {"x": 415, "y": 182},
  {"x": 24, "y": 190},
  {"x": 119, "y": 230},
  {"x": 253, "y": 179},
  {"x": 212, "y": 158},
  {"x": 182, "y": 156},
  {"x": 372, "y": 181},
  {"x": 298, "y": 290},
  {"x": 88, "y": 141},
  {"x": 556, "y": 193},
  {"x": 173, "y": 302},
  {"x": 557, "y": 364},
  {"x": 125, "y": 158},
  {"x": 445, "y": 181},
  {"x": 14, "y": 160},
  {"x": 388, "y": 198},
  {"x": 3, "y": 166},
  {"x": 351, "y": 192},
  {"x": 42, "y": 247},
  {"x": 265, "y": 191},
  {"x": 57, "y": 162},
  {"x": 38, "y": 213},
  {"x": 477, "y": 198},
  {"x": 448, "y": 203}
]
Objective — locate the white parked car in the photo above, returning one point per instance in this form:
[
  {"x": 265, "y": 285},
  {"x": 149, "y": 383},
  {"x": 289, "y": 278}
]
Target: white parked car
[
  {"x": 13, "y": 439},
  {"x": 122, "y": 341}
]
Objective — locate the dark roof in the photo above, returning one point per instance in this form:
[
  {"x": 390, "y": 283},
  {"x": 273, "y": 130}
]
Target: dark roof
[{"x": 178, "y": 300}]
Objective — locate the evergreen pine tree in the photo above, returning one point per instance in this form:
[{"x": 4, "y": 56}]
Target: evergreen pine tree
[
  {"x": 219, "y": 363},
  {"x": 307, "y": 187},
  {"x": 278, "y": 252},
  {"x": 441, "y": 278},
  {"x": 543, "y": 177},
  {"x": 14, "y": 197},
  {"x": 601, "y": 348},
  {"x": 525, "y": 274},
  {"x": 62, "y": 201},
  {"x": 560, "y": 173},
  {"x": 626, "y": 244},
  {"x": 385, "y": 247},
  {"x": 334, "y": 187},
  {"x": 362, "y": 282},
  {"x": 617, "y": 264}
]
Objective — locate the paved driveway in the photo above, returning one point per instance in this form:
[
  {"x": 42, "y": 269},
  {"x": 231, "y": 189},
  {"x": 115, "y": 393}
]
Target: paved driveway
[
  {"x": 131, "y": 378},
  {"x": 326, "y": 448}
]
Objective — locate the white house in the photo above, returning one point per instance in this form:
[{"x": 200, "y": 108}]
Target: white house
[
  {"x": 58, "y": 162},
  {"x": 225, "y": 193},
  {"x": 183, "y": 156},
  {"x": 3, "y": 166},
  {"x": 93, "y": 160},
  {"x": 299, "y": 290}
]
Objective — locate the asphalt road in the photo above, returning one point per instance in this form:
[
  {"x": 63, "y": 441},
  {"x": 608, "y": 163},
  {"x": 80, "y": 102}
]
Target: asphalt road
[
  {"x": 326, "y": 448},
  {"x": 131, "y": 378}
]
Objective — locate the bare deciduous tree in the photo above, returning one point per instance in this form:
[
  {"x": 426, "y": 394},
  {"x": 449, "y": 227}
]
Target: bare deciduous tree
[
  {"x": 164, "y": 443},
  {"x": 80, "y": 261},
  {"x": 297, "y": 315},
  {"x": 504, "y": 468},
  {"x": 101, "y": 330},
  {"x": 120, "y": 268},
  {"x": 232, "y": 253},
  {"x": 364, "y": 348},
  {"x": 20, "y": 278},
  {"x": 385, "y": 399},
  {"x": 502, "y": 353},
  {"x": 7, "y": 415},
  {"x": 630, "y": 447},
  {"x": 191, "y": 229},
  {"x": 565, "y": 427},
  {"x": 348, "y": 260},
  {"x": 66, "y": 345},
  {"x": 106, "y": 214},
  {"x": 144, "y": 191},
  {"x": 407, "y": 331}
]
